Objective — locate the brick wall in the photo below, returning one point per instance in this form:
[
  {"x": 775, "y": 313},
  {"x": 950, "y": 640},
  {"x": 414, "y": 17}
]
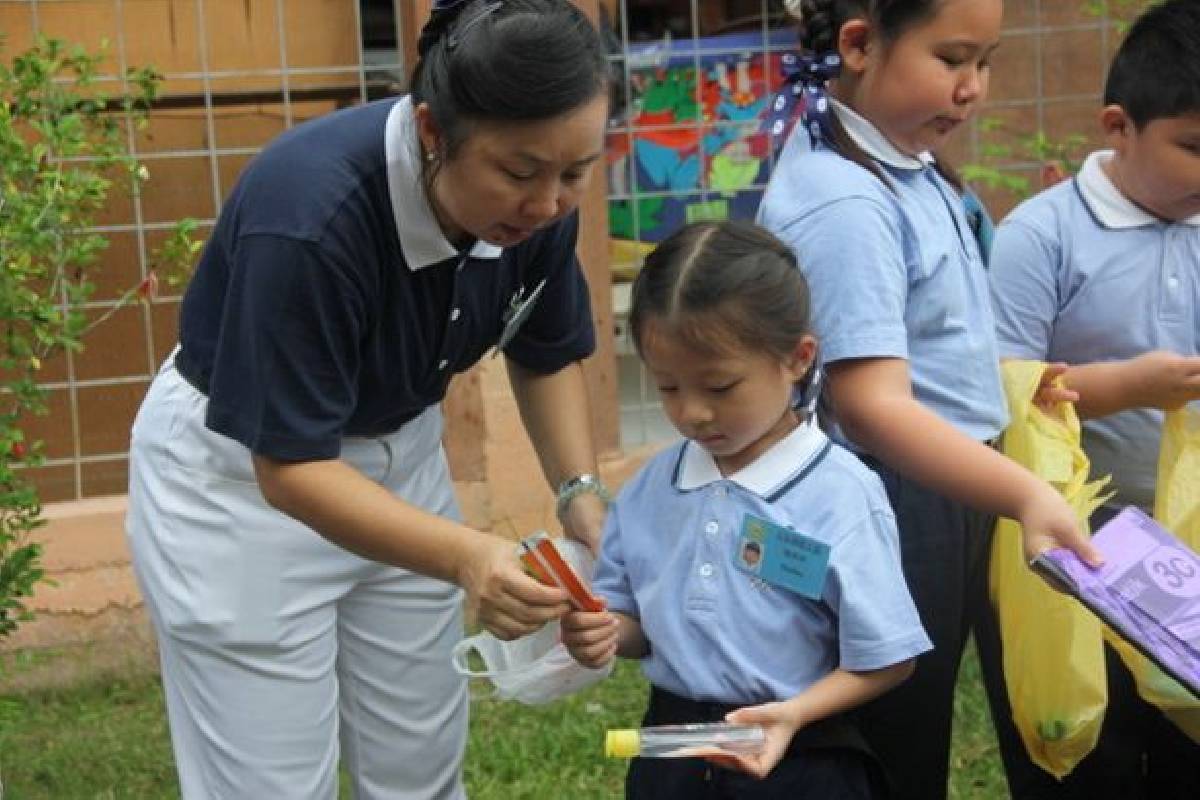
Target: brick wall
[{"x": 1048, "y": 75}]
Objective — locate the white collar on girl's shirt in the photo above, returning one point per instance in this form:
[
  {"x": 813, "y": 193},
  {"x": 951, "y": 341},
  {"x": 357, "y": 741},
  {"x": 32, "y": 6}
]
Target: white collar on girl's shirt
[
  {"x": 781, "y": 463},
  {"x": 1107, "y": 202},
  {"x": 873, "y": 142},
  {"x": 421, "y": 238}
]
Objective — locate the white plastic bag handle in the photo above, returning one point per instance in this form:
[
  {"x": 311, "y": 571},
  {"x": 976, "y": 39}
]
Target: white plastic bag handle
[{"x": 458, "y": 658}]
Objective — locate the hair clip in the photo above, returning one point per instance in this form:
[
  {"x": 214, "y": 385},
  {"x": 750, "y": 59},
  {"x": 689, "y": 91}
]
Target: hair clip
[{"x": 455, "y": 37}]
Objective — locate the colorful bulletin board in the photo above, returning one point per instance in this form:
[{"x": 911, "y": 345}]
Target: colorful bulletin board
[{"x": 686, "y": 143}]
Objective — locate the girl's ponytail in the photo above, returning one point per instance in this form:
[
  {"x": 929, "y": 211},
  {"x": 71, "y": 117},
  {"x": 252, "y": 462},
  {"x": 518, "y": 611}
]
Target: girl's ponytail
[
  {"x": 817, "y": 32},
  {"x": 819, "y": 26}
]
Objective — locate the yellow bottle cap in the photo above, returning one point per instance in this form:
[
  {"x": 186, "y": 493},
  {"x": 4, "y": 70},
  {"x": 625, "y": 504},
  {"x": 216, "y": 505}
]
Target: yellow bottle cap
[{"x": 622, "y": 744}]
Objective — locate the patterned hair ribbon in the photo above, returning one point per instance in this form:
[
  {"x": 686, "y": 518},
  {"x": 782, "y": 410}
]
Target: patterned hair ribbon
[{"x": 804, "y": 77}]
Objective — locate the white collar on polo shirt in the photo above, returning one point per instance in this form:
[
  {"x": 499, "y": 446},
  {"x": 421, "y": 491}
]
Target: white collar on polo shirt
[
  {"x": 873, "y": 142},
  {"x": 421, "y": 238},
  {"x": 1112, "y": 208},
  {"x": 782, "y": 462}
]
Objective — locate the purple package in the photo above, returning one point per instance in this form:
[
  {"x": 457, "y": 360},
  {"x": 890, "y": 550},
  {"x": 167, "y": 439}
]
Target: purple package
[{"x": 1148, "y": 590}]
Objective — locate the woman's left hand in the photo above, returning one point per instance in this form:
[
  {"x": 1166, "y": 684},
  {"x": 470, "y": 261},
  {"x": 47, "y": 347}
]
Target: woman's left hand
[
  {"x": 583, "y": 520},
  {"x": 780, "y": 723}
]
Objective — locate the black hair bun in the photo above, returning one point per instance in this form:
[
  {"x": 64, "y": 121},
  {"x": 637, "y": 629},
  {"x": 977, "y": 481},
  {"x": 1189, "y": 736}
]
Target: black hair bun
[{"x": 443, "y": 15}]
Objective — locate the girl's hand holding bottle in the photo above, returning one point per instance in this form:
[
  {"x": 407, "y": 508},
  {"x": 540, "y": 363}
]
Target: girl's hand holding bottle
[
  {"x": 590, "y": 637},
  {"x": 779, "y": 720},
  {"x": 508, "y": 602}
]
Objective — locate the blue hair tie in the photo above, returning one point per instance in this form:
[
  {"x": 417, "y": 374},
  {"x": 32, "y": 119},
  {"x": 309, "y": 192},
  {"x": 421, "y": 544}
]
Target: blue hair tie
[{"x": 804, "y": 77}]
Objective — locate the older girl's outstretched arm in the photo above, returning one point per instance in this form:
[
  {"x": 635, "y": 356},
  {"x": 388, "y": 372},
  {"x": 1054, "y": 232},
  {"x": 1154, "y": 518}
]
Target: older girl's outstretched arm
[{"x": 875, "y": 407}]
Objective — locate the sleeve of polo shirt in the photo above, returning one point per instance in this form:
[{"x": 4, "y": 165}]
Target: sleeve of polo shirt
[
  {"x": 284, "y": 381},
  {"x": 850, "y": 251},
  {"x": 1024, "y": 289},
  {"x": 611, "y": 579},
  {"x": 878, "y": 624},
  {"x": 559, "y": 331}
]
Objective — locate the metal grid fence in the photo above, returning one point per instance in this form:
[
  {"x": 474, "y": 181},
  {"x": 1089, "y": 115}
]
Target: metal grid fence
[
  {"x": 682, "y": 142},
  {"x": 681, "y": 146},
  {"x": 237, "y": 74}
]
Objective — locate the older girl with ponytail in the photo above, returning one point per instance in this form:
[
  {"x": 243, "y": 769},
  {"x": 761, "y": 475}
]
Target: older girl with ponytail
[{"x": 900, "y": 303}]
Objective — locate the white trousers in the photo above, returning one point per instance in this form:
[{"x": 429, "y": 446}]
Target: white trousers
[{"x": 275, "y": 643}]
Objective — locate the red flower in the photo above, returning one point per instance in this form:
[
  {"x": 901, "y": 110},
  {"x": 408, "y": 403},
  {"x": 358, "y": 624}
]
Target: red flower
[{"x": 147, "y": 290}]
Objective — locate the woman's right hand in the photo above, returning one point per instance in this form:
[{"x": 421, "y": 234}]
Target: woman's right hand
[{"x": 507, "y": 601}]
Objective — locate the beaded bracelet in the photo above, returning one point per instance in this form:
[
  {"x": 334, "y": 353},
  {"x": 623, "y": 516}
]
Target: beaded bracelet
[{"x": 584, "y": 483}]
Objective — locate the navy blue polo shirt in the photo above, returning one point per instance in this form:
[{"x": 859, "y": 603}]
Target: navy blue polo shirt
[{"x": 327, "y": 302}]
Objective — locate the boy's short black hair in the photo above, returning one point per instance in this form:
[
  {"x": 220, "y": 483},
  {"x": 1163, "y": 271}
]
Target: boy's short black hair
[{"x": 1156, "y": 72}]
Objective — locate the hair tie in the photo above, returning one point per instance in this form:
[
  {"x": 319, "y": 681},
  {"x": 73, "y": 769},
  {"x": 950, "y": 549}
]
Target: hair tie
[
  {"x": 456, "y": 37},
  {"x": 442, "y": 17},
  {"x": 804, "y": 78}
]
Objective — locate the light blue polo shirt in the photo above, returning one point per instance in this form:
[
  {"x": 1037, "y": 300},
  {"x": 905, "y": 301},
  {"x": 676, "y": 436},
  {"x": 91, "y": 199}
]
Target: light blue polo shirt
[
  {"x": 894, "y": 271},
  {"x": 1080, "y": 274},
  {"x": 719, "y": 634}
]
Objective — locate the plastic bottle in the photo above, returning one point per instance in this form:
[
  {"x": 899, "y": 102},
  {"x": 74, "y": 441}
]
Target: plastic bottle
[{"x": 684, "y": 741}]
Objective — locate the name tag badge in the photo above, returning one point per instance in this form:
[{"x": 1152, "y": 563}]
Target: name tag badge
[
  {"x": 782, "y": 557},
  {"x": 519, "y": 309}
]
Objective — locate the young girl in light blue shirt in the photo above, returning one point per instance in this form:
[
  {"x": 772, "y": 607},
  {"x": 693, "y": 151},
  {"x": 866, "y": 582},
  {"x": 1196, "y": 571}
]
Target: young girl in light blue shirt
[
  {"x": 900, "y": 302},
  {"x": 754, "y": 567}
]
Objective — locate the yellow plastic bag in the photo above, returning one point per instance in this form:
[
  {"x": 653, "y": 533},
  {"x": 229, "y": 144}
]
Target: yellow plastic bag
[
  {"x": 1177, "y": 508},
  {"x": 1053, "y": 651}
]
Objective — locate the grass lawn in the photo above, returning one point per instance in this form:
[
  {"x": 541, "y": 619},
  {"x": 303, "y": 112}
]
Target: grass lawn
[{"x": 109, "y": 741}]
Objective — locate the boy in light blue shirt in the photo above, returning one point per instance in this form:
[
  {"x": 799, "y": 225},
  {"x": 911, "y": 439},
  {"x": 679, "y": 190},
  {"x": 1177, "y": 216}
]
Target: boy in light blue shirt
[
  {"x": 1103, "y": 273},
  {"x": 754, "y": 568}
]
